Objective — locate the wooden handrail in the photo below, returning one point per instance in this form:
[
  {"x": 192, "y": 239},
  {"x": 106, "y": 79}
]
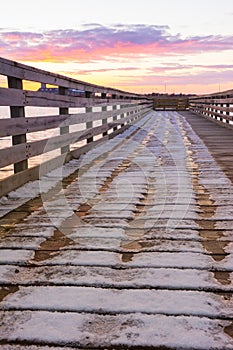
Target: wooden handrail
[{"x": 216, "y": 106}]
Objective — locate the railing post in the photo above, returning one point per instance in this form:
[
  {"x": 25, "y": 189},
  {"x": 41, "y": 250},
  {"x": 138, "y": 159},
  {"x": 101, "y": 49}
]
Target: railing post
[
  {"x": 17, "y": 112},
  {"x": 221, "y": 105},
  {"x": 104, "y": 109},
  {"x": 122, "y": 106},
  {"x": 122, "y": 116},
  {"x": 227, "y": 112},
  {"x": 114, "y": 117},
  {"x": 64, "y": 129},
  {"x": 89, "y": 125}
]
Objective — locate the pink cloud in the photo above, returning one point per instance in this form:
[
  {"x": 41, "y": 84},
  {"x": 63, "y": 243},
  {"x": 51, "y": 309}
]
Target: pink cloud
[
  {"x": 102, "y": 70},
  {"x": 98, "y": 42}
]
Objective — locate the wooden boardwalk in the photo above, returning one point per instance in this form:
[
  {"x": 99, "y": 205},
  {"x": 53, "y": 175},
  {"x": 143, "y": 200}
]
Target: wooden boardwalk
[{"x": 136, "y": 252}]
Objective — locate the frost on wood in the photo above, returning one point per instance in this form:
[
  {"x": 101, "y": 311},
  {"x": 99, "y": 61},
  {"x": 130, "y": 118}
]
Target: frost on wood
[{"x": 136, "y": 251}]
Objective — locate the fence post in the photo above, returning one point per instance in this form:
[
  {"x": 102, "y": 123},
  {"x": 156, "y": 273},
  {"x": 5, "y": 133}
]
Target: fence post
[
  {"x": 104, "y": 109},
  {"x": 122, "y": 106},
  {"x": 64, "y": 129},
  {"x": 18, "y": 112},
  {"x": 89, "y": 125},
  {"x": 115, "y": 116},
  {"x": 227, "y": 112},
  {"x": 221, "y": 105}
]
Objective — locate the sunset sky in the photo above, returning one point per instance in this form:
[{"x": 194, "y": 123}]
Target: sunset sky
[{"x": 141, "y": 46}]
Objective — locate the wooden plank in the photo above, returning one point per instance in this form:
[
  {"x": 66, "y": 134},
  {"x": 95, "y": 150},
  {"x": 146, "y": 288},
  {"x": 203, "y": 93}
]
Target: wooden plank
[
  {"x": 126, "y": 119},
  {"x": 76, "y": 153},
  {"x": 17, "y": 153},
  {"x": 15, "y": 181},
  {"x": 212, "y": 100},
  {"x": 227, "y": 108},
  {"x": 217, "y": 114},
  {"x": 210, "y": 113},
  {"x": 10, "y": 68},
  {"x": 14, "y": 97},
  {"x": 20, "y": 152},
  {"x": 211, "y": 106},
  {"x": 216, "y": 94},
  {"x": 170, "y": 102},
  {"x": 46, "y": 145},
  {"x": 213, "y": 119},
  {"x": 217, "y": 108},
  {"x": 9, "y": 127},
  {"x": 13, "y": 154}
]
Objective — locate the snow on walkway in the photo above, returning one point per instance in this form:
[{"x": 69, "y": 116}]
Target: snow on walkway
[{"x": 137, "y": 251}]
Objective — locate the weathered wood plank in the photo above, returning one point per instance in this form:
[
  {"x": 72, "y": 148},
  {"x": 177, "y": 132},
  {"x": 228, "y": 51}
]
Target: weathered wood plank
[
  {"x": 43, "y": 146},
  {"x": 224, "y": 109},
  {"x": 213, "y": 114},
  {"x": 13, "y": 182},
  {"x": 14, "y": 97},
  {"x": 216, "y": 94},
  {"x": 9, "y": 127},
  {"x": 212, "y": 100},
  {"x": 20, "y": 152},
  {"x": 212, "y": 107},
  {"x": 13, "y": 154}
]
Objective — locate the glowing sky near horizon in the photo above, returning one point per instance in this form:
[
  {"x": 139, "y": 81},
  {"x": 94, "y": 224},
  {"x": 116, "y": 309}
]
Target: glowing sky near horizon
[{"x": 142, "y": 46}]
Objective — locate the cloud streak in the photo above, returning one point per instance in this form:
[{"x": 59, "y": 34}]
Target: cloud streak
[
  {"x": 179, "y": 68},
  {"x": 103, "y": 70},
  {"x": 97, "y": 42}
]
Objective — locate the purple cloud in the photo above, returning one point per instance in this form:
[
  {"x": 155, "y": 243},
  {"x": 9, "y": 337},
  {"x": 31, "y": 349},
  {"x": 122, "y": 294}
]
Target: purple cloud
[{"x": 96, "y": 42}]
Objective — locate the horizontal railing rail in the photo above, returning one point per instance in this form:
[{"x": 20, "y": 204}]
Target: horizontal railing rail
[
  {"x": 102, "y": 113},
  {"x": 218, "y": 106}
]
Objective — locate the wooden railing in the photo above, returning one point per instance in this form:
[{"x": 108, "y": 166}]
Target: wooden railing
[
  {"x": 118, "y": 109},
  {"x": 218, "y": 106},
  {"x": 170, "y": 102}
]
